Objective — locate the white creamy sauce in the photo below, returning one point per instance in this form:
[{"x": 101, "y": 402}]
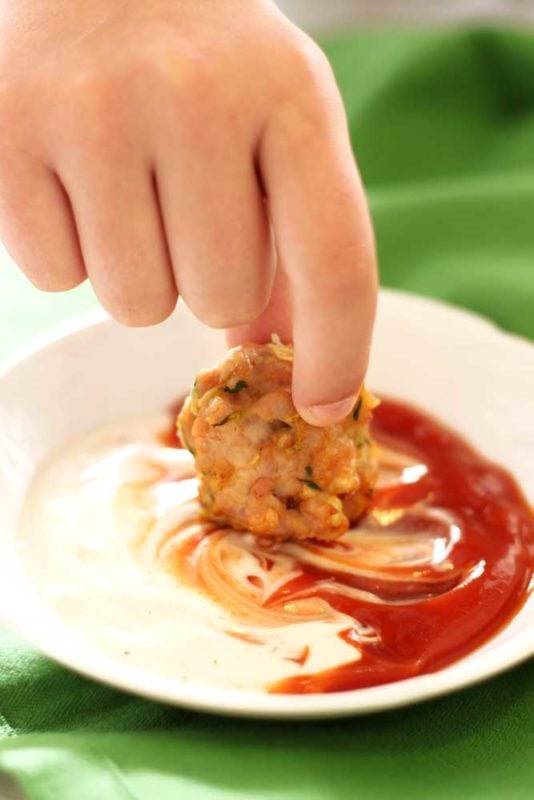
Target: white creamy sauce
[
  {"x": 100, "y": 533},
  {"x": 83, "y": 559}
]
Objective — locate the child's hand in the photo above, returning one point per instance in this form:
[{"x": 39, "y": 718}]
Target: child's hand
[{"x": 147, "y": 144}]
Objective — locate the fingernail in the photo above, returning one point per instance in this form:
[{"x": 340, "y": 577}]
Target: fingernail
[{"x": 329, "y": 413}]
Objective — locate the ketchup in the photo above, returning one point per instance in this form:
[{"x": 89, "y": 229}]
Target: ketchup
[
  {"x": 496, "y": 553},
  {"x": 421, "y": 618},
  {"x": 170, "y": 437}
]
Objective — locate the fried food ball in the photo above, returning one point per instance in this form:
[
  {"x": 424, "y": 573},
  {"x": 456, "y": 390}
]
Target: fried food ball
[{"x": 261, "y": 467}]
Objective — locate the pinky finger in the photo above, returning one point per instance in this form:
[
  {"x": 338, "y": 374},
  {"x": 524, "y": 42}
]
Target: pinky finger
[{"x": 37, "y": 226}]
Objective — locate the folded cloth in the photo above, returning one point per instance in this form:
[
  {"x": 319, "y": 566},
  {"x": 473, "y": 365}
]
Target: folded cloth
[{"x": 443, "y": 125}]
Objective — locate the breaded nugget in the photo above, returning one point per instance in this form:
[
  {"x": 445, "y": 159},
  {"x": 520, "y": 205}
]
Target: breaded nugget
[{"x": 261, "y": 467}]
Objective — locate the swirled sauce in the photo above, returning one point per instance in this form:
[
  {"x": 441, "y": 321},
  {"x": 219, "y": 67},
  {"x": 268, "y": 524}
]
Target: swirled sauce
[{"x": 113, "y": 534}]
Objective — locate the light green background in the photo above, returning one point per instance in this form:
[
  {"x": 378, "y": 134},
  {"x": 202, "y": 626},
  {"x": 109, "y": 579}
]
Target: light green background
[{"x": 443, "y": 126}]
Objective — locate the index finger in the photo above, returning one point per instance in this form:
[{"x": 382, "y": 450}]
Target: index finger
[{"x": 324, "y": 237}]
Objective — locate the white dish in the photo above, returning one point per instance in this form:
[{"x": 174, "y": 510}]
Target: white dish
[{"x": 454, "y": 365}]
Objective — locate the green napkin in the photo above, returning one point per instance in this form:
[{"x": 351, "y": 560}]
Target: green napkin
[{"x": 443, "y": 125}]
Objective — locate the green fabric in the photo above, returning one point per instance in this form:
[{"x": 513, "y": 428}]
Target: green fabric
[{"x": 443, "y": 124}]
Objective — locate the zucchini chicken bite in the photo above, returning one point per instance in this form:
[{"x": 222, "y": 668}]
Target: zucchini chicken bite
[{"x": 261, "y": 467}]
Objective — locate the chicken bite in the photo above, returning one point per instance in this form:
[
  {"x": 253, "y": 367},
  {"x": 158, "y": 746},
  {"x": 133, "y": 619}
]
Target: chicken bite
[{"x": 261, "y": 467}]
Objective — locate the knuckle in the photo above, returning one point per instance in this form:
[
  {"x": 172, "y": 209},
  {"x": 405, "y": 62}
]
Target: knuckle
[
  {"x": 192, "y": 80},
  {"x": 151, "y": 66},
  {"x": 310, "y": 104},
  {"x": 178, "y": 72},
  {"x": 97, "y": 91},
  {"x": 180, "y": 84},
  {"x": 90, "y": 102},
  {"x": 310, "y": 66},
  {"x": 90, "y": 86}
]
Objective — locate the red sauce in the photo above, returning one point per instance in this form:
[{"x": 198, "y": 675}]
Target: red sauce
[
  {"x": 431, "y": 618},
  {"x": 170, "y": 436},
  {"x": 498, "y": 530}
]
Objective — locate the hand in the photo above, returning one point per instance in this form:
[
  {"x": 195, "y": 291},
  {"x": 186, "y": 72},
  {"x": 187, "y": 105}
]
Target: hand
[{"x": 153, "y": 146}]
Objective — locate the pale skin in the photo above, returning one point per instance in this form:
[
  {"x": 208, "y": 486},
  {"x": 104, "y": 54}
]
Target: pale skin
[{"x": 159, "y": 147}]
